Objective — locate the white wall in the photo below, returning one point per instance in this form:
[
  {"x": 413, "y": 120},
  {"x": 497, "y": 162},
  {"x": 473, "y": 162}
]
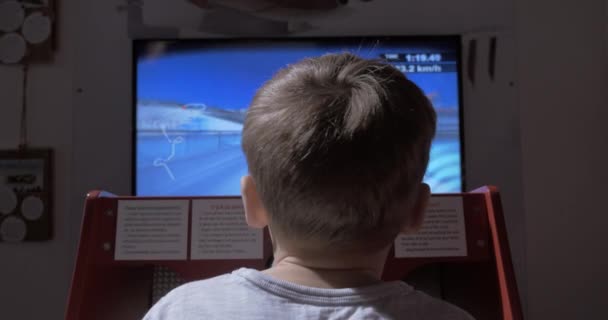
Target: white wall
[
  {"x": 91, "y": 132},
  {"x": 34, "y": 277},
  {"x": 563, "y": 86}
]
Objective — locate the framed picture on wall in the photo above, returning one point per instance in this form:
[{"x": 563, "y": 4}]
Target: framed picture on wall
[{"x": 25, "y": 195}]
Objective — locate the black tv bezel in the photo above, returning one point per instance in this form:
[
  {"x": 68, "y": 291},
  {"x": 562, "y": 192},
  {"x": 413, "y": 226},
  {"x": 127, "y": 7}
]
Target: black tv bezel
[{"x": 454, "y": 39}]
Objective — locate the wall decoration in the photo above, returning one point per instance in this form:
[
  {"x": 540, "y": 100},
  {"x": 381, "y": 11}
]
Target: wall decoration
[
  {"x": 25, "y": 195},
  {"x": 26, "y": 31}
]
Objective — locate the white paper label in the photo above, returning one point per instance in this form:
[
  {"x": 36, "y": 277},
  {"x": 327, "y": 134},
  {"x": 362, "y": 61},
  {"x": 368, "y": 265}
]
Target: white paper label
[
  {"x": 220, "y": 231},
  {"x": 442, "y": 233},
  {"x": 152, "y": 230}
]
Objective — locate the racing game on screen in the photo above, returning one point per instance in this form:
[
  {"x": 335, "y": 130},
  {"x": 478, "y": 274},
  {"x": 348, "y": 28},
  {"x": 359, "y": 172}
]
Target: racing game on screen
[{"x": 192, "y": 96}]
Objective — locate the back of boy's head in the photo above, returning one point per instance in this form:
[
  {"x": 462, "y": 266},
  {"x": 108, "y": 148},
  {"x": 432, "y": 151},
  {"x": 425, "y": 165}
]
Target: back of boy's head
[{"x": 337, "y": 147}]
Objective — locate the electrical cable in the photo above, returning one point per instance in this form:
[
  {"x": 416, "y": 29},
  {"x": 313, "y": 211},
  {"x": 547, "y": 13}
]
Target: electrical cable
[{"x": 23, "y": 122}]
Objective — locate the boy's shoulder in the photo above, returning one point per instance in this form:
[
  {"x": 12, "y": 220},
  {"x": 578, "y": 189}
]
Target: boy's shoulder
[
  {"x": 190, "y": 299},
  {"x": 247, "y": 294}
]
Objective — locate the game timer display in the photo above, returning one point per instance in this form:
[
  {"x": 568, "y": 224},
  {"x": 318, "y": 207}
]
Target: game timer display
[{"x": 191, "y": 97}]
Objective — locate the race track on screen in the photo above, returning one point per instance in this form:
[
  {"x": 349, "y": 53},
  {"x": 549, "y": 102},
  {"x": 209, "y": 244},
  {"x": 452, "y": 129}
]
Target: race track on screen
[{"x": 185, "y": 150}]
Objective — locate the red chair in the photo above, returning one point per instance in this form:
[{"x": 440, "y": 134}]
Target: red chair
[{"x": 482, "y": 282}]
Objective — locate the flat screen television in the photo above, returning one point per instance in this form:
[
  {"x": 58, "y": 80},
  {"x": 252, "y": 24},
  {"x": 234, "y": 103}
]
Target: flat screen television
[{"x": 191, "y": 97}]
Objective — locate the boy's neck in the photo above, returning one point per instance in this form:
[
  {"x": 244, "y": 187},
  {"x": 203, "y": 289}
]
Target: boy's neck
[{"x": 328, "y": 272}]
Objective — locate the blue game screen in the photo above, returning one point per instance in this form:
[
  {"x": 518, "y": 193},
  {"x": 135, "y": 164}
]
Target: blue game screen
[{"x": 192, "y": 95}]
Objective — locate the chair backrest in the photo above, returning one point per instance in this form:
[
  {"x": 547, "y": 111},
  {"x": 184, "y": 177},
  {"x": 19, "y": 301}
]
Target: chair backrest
[{"x": 124, "y": 241}]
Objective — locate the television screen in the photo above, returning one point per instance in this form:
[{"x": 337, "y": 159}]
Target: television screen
[{"x": 192, "y": 95}]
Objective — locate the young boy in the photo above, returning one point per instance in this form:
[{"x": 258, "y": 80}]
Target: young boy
[{"x": 337, "y": 147}]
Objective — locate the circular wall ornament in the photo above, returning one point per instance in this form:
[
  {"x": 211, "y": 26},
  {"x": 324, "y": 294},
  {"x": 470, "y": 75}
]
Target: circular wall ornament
[
  {"x": 32, "y": 208},
  {"x": 36, "y": 28},
  {"x": 11, "y": 16},
  {"x": 8, "y": 200},
  {"x": 12, "y": 48},
  {"x": 13, "y": 229}
]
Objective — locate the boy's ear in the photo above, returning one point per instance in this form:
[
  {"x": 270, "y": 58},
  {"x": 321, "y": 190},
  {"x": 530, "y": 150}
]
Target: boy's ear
[
  {"x": 418, "y": 210},
  {"x": 255, "y": 213}
]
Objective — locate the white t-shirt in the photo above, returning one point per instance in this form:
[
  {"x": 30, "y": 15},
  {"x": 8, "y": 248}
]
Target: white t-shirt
[{"x": 250, "y": 294}]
